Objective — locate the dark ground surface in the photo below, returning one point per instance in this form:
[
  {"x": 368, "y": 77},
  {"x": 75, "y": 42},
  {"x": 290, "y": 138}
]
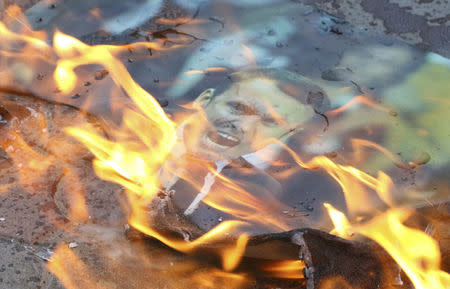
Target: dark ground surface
[{"x": 425, "y": 23}]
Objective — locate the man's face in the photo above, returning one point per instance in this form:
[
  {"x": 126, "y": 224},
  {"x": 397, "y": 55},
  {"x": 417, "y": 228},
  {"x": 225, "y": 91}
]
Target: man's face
[{"x": 242, "y": 119}]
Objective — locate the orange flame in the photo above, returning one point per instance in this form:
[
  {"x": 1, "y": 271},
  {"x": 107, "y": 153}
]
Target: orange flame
[
  {"x": 78, "y": 210},
  {"x": 30, "y": 163},
  {"x": 214, "y": 278},
  {"x": 289, "y": 269},
  {"x": 358, "y": 144},
  {"x": 209, "y": 69},
  {"x": 181, "y": 20},
  {"x": 357, "y": 99},
  {"x": 64, "y": 262},
  {"x": 233, "y": 255}
]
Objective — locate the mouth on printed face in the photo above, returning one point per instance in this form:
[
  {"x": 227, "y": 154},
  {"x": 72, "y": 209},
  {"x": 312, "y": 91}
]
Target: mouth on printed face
[{"x": 220, "y": 139}]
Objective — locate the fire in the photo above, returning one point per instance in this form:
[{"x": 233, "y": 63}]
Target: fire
[
  {"x": 361, "y": 190},
  {"x": 135, "y": 157},
  {"x": 358, "y": 144},
  {"x": 216, "y": 278},
  {"x": 74, "y": 273},
  {"x": 134, "y": 154},
  {"x": 211, "y": 236},
  {"x": 30, "y": 163},
  {"x": 64, "y": 262},
  {"x": 356, "y": 100},
  {"x": 78, "y": 210},
  {"x": 289, "y": 269},
  {"x": 233, "y": 255},
  {"x": 238, "y": 202},
  {"x": 417, "y": 253},
  {"x": 181, "y": 20},
  {"x": 207, "y": 70},
  {"x": 342, "y": 227}
]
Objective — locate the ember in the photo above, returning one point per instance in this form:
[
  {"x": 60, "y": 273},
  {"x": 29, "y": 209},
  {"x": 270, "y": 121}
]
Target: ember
[{"x": 261, "y": 178}]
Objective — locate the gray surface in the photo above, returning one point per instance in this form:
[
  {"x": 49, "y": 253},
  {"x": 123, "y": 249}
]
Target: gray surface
[
  {"x": 424, "y": 23},
  {"x": 420, "y": 22},
  {"x": 20, "y": 268}
]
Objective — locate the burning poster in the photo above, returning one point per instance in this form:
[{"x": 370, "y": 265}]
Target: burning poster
[{"x": 222, "y": 144}]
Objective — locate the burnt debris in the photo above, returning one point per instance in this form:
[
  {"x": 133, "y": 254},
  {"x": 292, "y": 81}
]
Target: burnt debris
[{"x": 333, "y": 263}]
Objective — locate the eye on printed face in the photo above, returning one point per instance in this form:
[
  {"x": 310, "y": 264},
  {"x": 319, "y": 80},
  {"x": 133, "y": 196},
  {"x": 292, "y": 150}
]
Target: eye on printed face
[{"x": 242, "y": 119}]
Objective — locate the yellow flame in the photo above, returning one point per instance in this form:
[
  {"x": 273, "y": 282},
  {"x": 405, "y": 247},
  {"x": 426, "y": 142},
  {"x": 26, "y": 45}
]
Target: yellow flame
[
  {"x": 414, "y": 251},
  {"x": 342, "y": 227},
  {"x": 10, "y": 37}
]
